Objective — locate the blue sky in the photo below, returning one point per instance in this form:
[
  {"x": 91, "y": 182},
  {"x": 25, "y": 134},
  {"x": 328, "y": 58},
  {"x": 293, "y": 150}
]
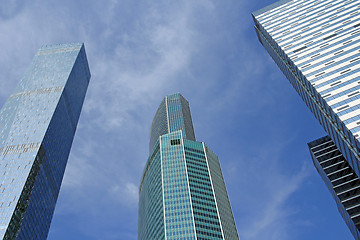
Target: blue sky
[{"x": 242, "y": 107}]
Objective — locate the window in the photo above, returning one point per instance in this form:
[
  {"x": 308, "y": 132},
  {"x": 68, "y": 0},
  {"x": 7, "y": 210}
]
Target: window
[
  {"x": 299, "y": 49},
  {"x": 175, "y": 142},
  {"x": 328, "y": 37}
]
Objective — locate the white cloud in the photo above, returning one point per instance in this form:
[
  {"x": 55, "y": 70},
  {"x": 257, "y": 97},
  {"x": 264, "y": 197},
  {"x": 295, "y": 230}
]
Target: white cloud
[
  {"x": 126, "y": 193},
  {"x": 127, "y": 84},
  {"x": 274, "y": 219}
]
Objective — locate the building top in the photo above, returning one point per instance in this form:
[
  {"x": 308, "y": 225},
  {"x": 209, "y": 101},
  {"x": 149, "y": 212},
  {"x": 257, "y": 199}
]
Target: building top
[
  {"x": 318, "y": 142},
  {"x": 270, "y": 7},
  {"x": 59, "y": 48},
  {"x": 172, "y": 115},
  {"x": 51, "y": 66}
]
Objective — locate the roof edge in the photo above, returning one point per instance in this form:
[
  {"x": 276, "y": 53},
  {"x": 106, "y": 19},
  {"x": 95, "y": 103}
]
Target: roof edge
[{"x": 269, "y": 7}]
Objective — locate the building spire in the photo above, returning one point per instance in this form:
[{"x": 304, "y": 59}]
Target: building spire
[{"x": 172, "y": 115}]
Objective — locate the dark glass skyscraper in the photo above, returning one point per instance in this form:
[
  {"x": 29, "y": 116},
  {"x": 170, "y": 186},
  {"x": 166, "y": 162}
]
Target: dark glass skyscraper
[
  {"x": 340, "y": 179},
  {"x": 182, "y": 191},
  {"x": 315, "y": 43},
  {"x": 37, "y": 127}
]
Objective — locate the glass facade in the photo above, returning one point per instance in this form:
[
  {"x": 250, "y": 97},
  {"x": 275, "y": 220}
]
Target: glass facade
[
  {"x": 38, "y": 123},
  {"x": 182, "y": 193},
  {"x": 152, "y": 201},
  {"x": 173, "y": 114},
  {"x": 315, "y": 43}
]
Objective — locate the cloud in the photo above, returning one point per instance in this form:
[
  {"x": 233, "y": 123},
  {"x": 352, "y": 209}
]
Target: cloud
[
  {"x": 144, "y": 63},
  {"x": 128, "y": 82},
  {"x": 263, "y": 180},
  {"x": 9, "y": 8},
  {"x": 127, "y": 193},
  {"x": 273, "y": 222}
]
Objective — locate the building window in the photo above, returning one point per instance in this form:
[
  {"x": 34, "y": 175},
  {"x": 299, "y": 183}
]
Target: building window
[{"x": 175, "y": 142}]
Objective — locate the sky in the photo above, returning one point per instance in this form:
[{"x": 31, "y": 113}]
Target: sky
[{"x": 242, "y": 107}]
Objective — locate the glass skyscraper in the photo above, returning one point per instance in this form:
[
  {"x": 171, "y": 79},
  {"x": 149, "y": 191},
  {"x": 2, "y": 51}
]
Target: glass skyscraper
[
  {"x": 340, "y": 179},
  {"x": 182, "y": 193},
  {"x": 316, "y": 45},
  {"x": 37, "y": 127}
]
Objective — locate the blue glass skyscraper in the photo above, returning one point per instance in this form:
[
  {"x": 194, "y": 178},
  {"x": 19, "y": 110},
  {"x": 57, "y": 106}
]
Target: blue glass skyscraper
[
  {"x": 182, "y": 192},
  {"x": 315, "y": 43},
  {"x": 37, "y": 127}
]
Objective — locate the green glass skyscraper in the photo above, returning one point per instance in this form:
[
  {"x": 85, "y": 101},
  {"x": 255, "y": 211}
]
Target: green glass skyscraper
[
  {"x": 37, "y": 127},
  {"x": 182, "y": 191}
]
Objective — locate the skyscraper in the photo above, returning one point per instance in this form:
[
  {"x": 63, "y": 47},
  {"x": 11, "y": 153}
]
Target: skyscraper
[
  {"x": 316, "y": 45},
  {"x": 37, "y": 127},
  {"x": 340, "y": 179},
  {"x": 182, "y": 192}
]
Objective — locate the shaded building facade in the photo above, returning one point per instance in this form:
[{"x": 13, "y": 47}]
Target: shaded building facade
[
  {"x": 37, "y": 127},
  {"x": 340, "y": 179},
  {"x": 182, "y": 193},
  {"x": 316, "y": 46}
]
